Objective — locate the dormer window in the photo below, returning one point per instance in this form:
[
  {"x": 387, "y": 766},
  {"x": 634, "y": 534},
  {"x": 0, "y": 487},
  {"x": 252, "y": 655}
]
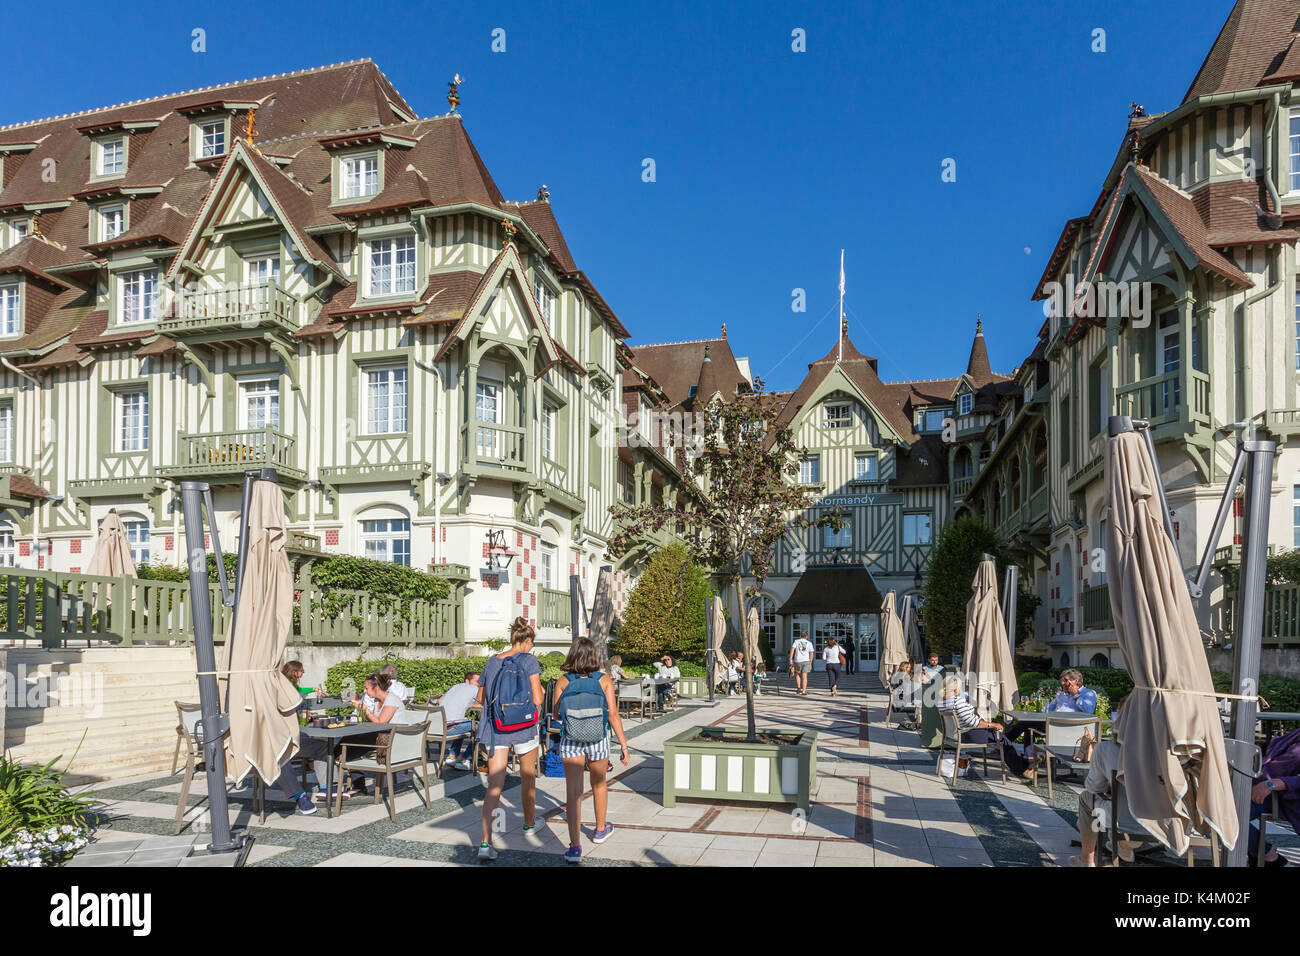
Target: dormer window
[
  {"x": 360, "y": 176},
  {"x": 210, "y": 138},
  {"x": 965, "y": 403},
  {"x": 10, "y": 319},
  {"x": 19, "y": 229},
  {"x": 138, "y": 296},
  {"x": 110, "y": 222},
  {"x": 837, "y": 416},
  {"x": 110, "y": 156},
  {"x": 390, "y": 268},
  {"x": 933, "y": 419}
]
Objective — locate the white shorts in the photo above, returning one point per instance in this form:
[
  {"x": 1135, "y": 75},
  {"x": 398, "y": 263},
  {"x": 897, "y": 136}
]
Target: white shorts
[{"x": 520, "y": 749}]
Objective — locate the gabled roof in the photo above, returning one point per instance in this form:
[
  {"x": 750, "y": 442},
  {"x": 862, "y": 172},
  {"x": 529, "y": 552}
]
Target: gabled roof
[
  {"x": 1250, "y": 50},
  {"x": 676, "y": 367}
]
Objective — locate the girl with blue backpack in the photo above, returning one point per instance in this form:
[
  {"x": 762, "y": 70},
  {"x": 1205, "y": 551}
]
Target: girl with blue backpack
[
  {"x": 586, "y": 709},
  {"x": 510, "y": 691}
]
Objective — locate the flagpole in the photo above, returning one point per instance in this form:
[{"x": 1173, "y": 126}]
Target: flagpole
[{"x": 839, "y": 355}]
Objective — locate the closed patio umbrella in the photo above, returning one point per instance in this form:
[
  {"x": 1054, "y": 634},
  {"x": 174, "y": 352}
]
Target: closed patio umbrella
[
  {"x": 991, "y": 672},
  {"x": 912, "y": 629},
  {"x": 112, "y": 558},
  {"x": 719, "y": 636},
  {"x": 262, "y": 702},
  {"x": 752, "y": 635},
  {"x": 893, "y": 649},
  {"x": 1172, "y": 756}
]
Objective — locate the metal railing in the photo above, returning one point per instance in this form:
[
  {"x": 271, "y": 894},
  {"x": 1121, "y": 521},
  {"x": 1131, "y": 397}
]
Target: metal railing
[
  {"x": 554, "y": 608},
  {"x": 1096, "y": 608}
]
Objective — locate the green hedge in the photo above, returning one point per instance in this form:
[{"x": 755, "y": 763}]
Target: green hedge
[
  {"x": 428, "y": 677},
  {"x": 1114, "y": 681}
]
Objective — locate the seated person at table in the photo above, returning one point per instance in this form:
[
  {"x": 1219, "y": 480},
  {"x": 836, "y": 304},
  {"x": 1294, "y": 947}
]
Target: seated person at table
[
  {"x": 616, "y": 671},
  {"x": 294, "y": 671},
  {"x": 388, "y": 708},
  {"x": 666, "y": 675},
  {"x": 396, "y": 686},
  {"x": 454, "y": 703},
  {"x": 905, "y": 689},
  {"x": 1073, "y": 698},
  {"x": 1280, "y": 774},
  {"x": 976, "y": 730},
  {"x": 1095, "y": 804},
  {"x": 931, "y": 669}
]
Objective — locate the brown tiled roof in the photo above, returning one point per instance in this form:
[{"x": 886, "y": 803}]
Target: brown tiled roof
[
  {"x": 1182, "y": 215},
  {"x": 448, "y": 297},
  {"x": 924, "y": 463},
  {"x": 1249, "y": 49},
  {"x": 24, "y": 487},
  {"x": 977, "y": 367},
  {"x": 541, "y": 220},
  {"x": 676, "y": 366},
  {"x": 1230, "y": 217}
]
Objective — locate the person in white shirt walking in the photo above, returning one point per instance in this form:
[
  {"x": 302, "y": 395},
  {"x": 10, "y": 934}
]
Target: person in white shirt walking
[
  {"x": 834, "y": 657},
  {"x": 801, "y": 655}
]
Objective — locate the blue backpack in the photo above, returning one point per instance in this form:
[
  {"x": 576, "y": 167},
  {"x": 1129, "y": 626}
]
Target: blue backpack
[
  {"x": 512, "y": 697},
  {"x": 584, "y": 709}
]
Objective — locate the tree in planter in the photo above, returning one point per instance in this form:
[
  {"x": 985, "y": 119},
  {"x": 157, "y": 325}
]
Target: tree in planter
[
  {"x": 954, "y": 559},
  {"x": 666, "y": 610},
  {"x": 739, "y": 490}
]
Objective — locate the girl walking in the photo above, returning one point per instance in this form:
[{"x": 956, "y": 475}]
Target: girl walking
[
  {"x": 834, "y": 656},
  {"x": 586, "y": 709},
  {"x": 510, "y": 691}
]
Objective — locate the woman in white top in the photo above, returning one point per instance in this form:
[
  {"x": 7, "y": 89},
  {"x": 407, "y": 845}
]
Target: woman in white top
[{"x": 833, "y": 655}]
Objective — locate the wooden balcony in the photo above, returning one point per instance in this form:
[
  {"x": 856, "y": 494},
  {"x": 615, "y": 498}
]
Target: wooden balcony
[
  {"x": 489, "y": 446},
  {"x": 961, "y": 486},
  {"x": 553, "y": 608},
  {"x": 218, "y": 455},
  {"x": 247, "y": 311},
  {"x": 1160, "y": 400}
]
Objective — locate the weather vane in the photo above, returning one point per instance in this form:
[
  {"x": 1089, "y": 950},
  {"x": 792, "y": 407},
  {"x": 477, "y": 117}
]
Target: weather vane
[
  {"x": 508, "y": 228},
  {"x": 543, "y": 194},
  {"x": 453, "y": 92}
]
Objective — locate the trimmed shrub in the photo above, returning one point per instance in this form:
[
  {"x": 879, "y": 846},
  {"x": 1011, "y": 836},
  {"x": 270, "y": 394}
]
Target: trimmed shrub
[
  {"x": 666, "y": 610},
  {"x": 428, "y": 677},
  {"x": 953, "y": 561}
]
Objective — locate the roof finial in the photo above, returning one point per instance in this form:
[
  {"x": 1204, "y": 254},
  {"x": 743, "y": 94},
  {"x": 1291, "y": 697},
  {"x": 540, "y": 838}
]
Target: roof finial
[
  {"x": 706, "y": 352},
  {"x": 453, "y": 93},
  {"x": 979, "y": 324},
  {"x": 36, "y": 224},
  {"x": 724, "y": 331},
  {"x": 250, "y": 126},
  {"x": 509, "y": 230},
  {"x": 844, "y": 326},
  {"x": 543, "y": 194}
]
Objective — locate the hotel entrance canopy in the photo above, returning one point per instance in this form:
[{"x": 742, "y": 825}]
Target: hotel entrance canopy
[{"x": 840, "y": 589}]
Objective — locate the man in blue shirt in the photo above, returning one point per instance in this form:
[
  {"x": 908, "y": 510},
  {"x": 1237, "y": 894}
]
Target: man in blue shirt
[{"x": 1072, "y": 698}]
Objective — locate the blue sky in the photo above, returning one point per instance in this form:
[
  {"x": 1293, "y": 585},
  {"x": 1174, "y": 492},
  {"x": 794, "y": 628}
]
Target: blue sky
[{"x": 767, "y": 161}]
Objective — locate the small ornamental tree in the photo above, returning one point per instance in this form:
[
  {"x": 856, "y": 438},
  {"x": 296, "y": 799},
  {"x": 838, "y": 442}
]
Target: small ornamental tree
[
  {"x": 740, "y": 494},
  {"x": 666, "y": 610},
  {"x": 956, "y": 556}
]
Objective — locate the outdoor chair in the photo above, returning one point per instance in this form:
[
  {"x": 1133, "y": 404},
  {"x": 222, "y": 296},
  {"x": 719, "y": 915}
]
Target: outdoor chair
[
  {"x": 1061, "y": 735},
  {"x": 633, "y": 694},
  {"x": 190, "y": 733},
  {"x": 406, "y": 750},
  {"x": 438, "y": 735},
  {"x": 1272, "y": 810},
  {"x": 952, "y": 741},
  {"x": 1123, "y": 825}
]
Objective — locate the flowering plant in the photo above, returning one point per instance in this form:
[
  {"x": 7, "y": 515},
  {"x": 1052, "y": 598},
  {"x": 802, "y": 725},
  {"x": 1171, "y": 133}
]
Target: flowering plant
[{"x": 44, "y": 847}]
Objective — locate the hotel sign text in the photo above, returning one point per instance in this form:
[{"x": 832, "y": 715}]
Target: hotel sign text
[{"x": 850, "y": 501}]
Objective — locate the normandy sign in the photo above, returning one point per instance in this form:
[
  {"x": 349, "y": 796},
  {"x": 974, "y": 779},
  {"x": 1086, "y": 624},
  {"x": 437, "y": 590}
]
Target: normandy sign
[{"x": 853, "y": 501}]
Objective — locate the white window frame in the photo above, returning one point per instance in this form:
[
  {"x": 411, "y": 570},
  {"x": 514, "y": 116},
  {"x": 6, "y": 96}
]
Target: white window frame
[
  {"x": 1294, "y": 150},
  {"x": 397, "y": 283},
  {"x": 489, "y": 395},
  {"x": 393, "y": 533},
  {"x": 838, "y": 539},
  {"x": 148, "y": 308},
  {"x": 545, "y": 304},
  {"x": 842, "y": 417},
  {"x": 131, "y": 440},
  {"x": 8, "y": 546},
  {"x": 138, "y": 534},
  {"x": 201, "y": 150},
  {"x": 548, "y": 558},
  {"x": 6, "y": 432},
  {"x": 872, "y": 472},
  {"x": 11, "y": 309},
  {"x": 394, "y": 412},
  {"x": 965, "y": 403},
  {"x": 925, "y": 419},
  {"x": 263, "y": 389},
  {"x": 549, "y": 416},
  {"x": 103, "y": 217},
  {"x": 101, "y": 156},
  {"x": 355, "y": 179},
  {"x": 810, "y": 470},
  {"x": 914, "y": 531},
  {"x": 19, "y": 229}
]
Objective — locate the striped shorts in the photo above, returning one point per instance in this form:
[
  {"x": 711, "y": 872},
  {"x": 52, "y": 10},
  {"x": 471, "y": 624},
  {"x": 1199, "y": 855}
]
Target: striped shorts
[{"x": 593, "y": 751}]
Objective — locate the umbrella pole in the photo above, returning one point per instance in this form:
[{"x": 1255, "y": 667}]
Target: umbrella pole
[
  {"x": 1010, "y": 591},
  {"x": 708, "y": 648},
  {"x": 214, "y": 723},
  {"x": 1249, "y": 625}
]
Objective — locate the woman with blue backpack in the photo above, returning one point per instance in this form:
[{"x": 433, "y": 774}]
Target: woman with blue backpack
[
  {"x": 510, "y": 691},
  {"x": 586, "y": 709}
]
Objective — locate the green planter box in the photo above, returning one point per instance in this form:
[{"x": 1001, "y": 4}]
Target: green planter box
[
  {"x": 730, "y": 769},
  {"x": 692, "y": 687}
]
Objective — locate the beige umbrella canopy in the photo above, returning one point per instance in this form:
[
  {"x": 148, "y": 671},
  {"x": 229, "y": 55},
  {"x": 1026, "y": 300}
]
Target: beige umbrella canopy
[
  {"x": 1172, "y": 757},
  {"x": 112, "y": 558},
  {"x": 719, "y": 636},
  {"x": 602, "y": 614},
  {"x": 893, "y": 649},
  {"x": 262, "y": 701},
  {"x": 990, "y": 669},
  {"x": 915, "y": 646},
  {"x": 752, "y": 635}
]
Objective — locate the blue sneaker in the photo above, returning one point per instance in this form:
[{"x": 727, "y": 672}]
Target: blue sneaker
[
  {"x": 603, "y": 834},
  {"x": 573, "y": 854},
  {"x": 305, "y": 806}
]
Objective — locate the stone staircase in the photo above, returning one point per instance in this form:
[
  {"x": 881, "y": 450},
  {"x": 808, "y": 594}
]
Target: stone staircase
[{"x": 120, "y": 699}]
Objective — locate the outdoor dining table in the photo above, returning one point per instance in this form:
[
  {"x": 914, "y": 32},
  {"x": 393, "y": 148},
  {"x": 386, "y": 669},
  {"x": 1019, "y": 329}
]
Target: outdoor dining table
[
  {"x": 325, "y": 703},
  {"x": 335, "y": 735}
]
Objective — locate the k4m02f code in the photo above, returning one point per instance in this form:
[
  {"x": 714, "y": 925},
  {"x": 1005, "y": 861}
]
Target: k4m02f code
[{"x": 1224, "y": 898}]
